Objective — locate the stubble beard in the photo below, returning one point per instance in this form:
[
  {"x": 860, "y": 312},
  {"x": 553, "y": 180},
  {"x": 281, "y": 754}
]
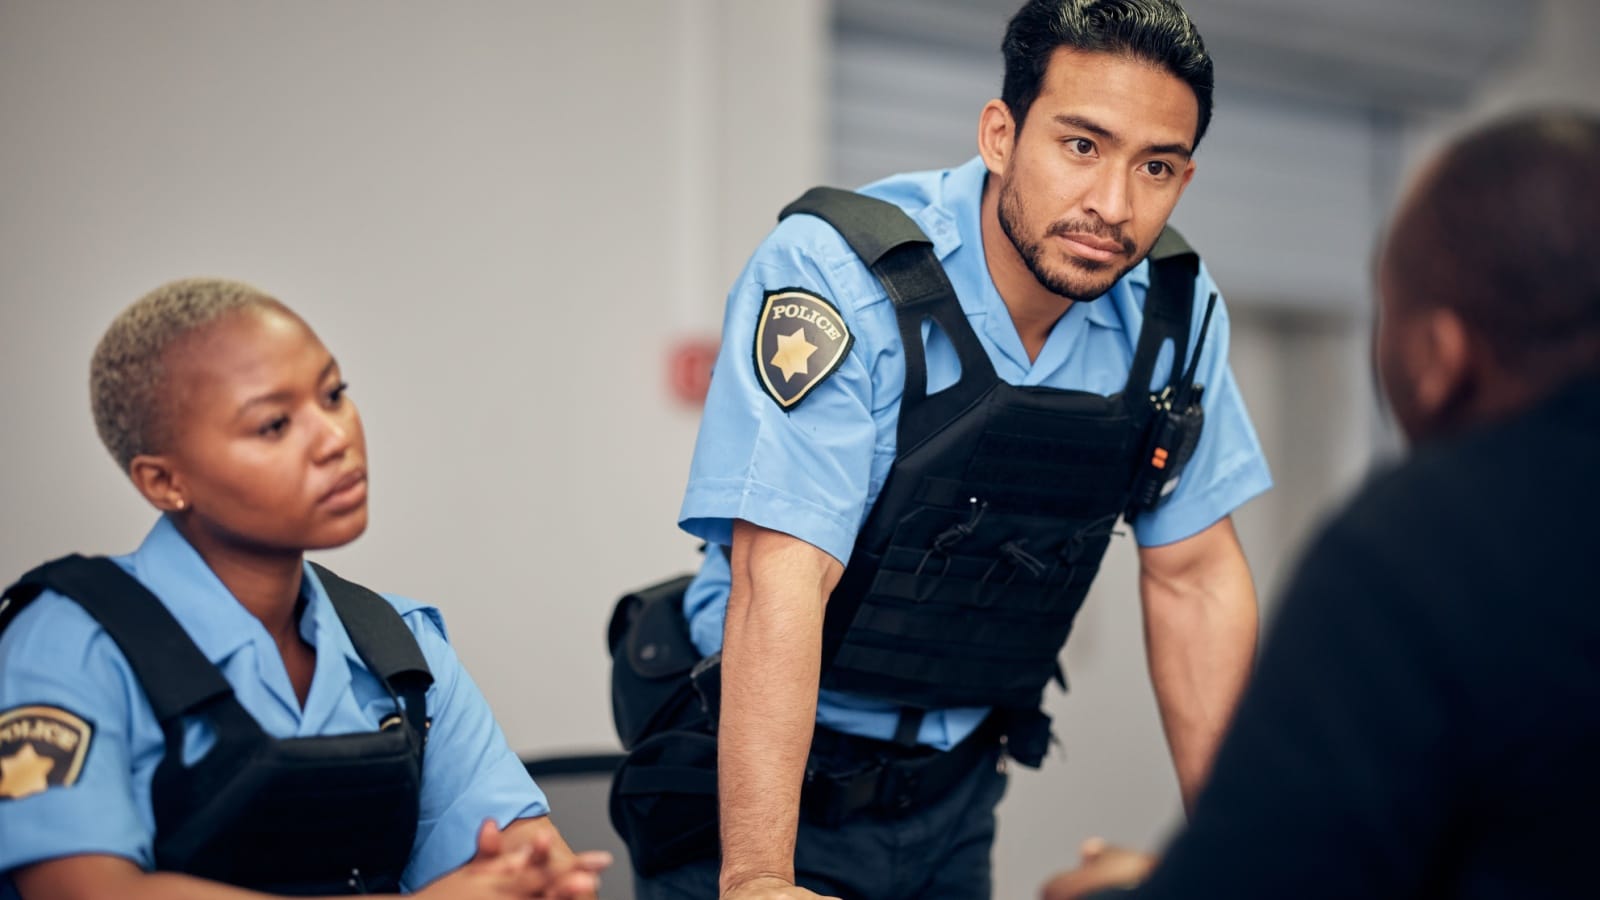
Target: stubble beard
[{"x": 1097, "y": 277}]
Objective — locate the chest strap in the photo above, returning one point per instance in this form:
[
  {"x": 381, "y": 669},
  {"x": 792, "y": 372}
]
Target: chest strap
[
  {"x": 901, "y": 257},
  {"x": 175, "y": 675}
]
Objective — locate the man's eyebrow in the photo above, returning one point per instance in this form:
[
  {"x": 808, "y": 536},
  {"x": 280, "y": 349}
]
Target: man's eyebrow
[
  {"x": 1088, "y": 125},
  {"x": 1174, "y": 149},
  {"x": 1098, "y": 130}
]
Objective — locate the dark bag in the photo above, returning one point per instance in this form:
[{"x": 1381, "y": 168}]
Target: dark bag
[
  {"x": 664, "y": 704},
  {"x": 651, "y": 657}
]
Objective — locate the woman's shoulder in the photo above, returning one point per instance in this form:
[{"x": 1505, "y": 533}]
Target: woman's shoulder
[
  {"x": 424, "y": 620},
  {"x": 53, "y": 627}
]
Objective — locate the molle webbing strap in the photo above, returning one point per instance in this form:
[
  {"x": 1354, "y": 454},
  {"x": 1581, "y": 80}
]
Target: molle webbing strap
[
  {"x": 1168, "y": 314},
  {"x": 901, "y": 257},
  {"x": 176, "y": 677},
  {"x": 872, "y": 227},
  {"x": 381, "y": 638}
]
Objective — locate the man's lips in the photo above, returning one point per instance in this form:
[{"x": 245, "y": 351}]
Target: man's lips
[{"x": 1096, "y": 248}]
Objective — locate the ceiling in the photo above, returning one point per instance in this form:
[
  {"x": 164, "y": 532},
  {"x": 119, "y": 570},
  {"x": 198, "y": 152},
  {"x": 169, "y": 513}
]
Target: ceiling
[{"x": 1385, "y": 54}]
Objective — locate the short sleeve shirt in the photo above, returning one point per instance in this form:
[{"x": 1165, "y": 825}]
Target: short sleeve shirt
[
  {"x": 55, "y": 655},
  {"x": 813, "y": 470}
]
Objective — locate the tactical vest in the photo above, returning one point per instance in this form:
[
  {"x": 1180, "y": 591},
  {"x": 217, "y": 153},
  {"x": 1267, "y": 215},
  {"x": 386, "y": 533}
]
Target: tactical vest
[
  {"x": 297, "y": 816},
  {"x": 965, "y": 579}
]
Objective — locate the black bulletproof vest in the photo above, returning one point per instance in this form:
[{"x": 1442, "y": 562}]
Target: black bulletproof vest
[
  {"x": 978, "y": 552},
  {"x": 297, "y": 816}
]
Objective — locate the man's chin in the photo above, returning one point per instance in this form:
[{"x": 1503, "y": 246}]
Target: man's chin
[{"x": 1082, "y": 290}]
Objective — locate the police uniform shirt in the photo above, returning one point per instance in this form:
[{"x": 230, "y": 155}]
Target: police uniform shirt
[
  {"x": 813, "y": 467},
  {"x": 55, "y": 656}
]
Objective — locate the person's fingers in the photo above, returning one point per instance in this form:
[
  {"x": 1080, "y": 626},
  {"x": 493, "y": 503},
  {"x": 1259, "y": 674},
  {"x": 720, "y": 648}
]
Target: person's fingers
[
  {"x": 577, "y": 886},
  {"x": 593, "y": 860},
  {"x": 539, "y": 848},
  {"x": 1059, "y": 888},
  {"x": 489, "y": 842}
]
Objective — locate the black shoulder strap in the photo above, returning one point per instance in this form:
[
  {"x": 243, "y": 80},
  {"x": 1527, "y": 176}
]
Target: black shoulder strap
[
  {"x": 175, "y": 675},
  {"x": 1168, "y": 313},
  {"x": 902, "y": 259},
  {"x": 379, "y": 635}
]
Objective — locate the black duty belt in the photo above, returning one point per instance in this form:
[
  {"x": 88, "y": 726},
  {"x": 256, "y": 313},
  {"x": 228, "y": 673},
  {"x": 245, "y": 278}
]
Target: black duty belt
[{"x": 848, "y": 775}]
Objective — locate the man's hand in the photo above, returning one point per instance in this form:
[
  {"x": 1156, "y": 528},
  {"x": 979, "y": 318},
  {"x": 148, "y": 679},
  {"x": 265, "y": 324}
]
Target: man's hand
[
  {"x": 524, "y": 861},
  {"x": 770, "y": 887},
  {"x": 1102, "y": 866}
]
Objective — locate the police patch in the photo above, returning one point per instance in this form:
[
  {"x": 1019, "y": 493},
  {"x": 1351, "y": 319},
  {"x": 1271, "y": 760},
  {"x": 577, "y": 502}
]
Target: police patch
[
  {"x": 800, "y": 340},
  {"x": 40, "y": 747}
]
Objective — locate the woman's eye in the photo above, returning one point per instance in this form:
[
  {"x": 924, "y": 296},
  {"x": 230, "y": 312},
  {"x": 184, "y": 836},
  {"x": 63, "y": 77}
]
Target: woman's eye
[
  {"x": 337, "y": 394},
  {"x": 275, "y": 427}
]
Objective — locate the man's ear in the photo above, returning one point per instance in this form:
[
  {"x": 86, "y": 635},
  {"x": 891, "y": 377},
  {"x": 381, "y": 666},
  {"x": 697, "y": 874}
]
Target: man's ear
[
  {"x": 997, "y": 136},
  {"x": 1445, "y": 373},
  {"x": 154, "y": 477}
]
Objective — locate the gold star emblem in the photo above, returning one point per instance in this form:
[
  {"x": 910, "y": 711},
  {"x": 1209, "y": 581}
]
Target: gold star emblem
[
  {"x": 793, "y": 351},
  {"x": 24, "y": 772}
]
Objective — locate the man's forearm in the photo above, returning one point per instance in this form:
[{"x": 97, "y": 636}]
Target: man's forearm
[
  {"x": 1200, "y": 635},
  {"x": 771, "y": 662}
]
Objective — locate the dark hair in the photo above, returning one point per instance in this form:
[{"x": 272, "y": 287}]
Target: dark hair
[
  {"x": 1503, "y": 229},
  {"x": 1155, "y": 31}
]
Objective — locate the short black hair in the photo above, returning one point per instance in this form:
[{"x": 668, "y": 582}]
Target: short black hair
[
  {"x": 1503, "y": 230},
  {"x": 1158, "y": 32}
]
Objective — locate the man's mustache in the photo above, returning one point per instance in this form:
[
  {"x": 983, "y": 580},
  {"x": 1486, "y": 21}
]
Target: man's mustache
[{"x": 1095, "y": 228}]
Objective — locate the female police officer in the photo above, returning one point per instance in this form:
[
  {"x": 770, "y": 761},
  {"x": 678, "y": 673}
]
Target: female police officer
[{"x": 210, "y": 712}]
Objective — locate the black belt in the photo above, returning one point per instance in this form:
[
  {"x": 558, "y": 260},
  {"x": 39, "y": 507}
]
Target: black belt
[{"x": 848, "y": 774}]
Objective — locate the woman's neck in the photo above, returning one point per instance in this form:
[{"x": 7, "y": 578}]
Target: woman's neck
[{"x": 265, "y": 583}]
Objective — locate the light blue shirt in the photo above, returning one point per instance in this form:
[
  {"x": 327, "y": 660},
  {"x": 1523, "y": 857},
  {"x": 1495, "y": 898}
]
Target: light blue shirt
[
  {"x": 814, "y": 470},
  {"x": 55, "y": 654}
]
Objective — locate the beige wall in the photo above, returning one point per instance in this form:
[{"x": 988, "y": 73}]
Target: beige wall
[{"x": 497, "y": 214}]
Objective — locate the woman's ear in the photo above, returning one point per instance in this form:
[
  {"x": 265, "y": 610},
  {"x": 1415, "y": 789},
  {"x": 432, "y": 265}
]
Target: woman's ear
[
  {"x": 154, "y": 477},
  {"x": 997, "y": 136}
]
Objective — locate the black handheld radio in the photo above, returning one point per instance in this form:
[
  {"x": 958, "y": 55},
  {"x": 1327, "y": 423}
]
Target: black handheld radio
[{"x": 1174, "y": 432}]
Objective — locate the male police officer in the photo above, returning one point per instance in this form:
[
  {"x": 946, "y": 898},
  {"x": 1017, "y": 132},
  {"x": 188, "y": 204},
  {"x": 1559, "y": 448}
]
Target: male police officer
[
  {"x": 1426, "y": 718},
  {"x": 957, "y": 490}
]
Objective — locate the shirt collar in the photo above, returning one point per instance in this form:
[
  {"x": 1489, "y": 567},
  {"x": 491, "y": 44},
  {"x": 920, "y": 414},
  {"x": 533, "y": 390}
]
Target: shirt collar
[
  {"x": 170, "y": 568},
  {"x": 320, "y": 624}
]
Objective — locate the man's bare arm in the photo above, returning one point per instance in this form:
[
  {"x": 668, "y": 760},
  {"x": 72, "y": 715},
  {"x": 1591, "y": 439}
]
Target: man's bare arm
[
  {"x": 1200, "y": 622},
  {"x": 771, "y": 665}
]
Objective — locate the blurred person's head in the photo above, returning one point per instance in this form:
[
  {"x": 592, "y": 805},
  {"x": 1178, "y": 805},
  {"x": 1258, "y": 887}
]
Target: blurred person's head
[
  {"x": 230, "y": 416},
  {"x": 1091, "y": 142},
  {"x": 1489, "y": 277}
]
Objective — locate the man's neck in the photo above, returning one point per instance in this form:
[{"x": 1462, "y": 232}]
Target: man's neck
[{"x": 1034, "y": 308}]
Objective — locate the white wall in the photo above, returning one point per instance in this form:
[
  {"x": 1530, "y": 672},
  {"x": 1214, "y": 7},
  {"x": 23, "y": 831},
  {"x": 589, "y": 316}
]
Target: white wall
[{"x": 497, "y": 214}]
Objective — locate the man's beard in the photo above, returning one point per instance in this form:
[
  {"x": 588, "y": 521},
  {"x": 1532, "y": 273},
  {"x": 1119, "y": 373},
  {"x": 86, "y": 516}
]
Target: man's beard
[{"x": 1083, "y": 290}]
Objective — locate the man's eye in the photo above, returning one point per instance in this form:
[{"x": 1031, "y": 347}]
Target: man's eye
[
  {"x": 1157, "y": 168},
  {"x": 274, "y": 428},
  {"x": 1081, "y": 146}
]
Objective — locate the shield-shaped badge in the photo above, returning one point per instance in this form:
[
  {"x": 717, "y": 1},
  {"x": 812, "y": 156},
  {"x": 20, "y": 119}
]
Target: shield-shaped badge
[
  {"x": 800, "y": 340},
  {"x": 40, "y": 747}
]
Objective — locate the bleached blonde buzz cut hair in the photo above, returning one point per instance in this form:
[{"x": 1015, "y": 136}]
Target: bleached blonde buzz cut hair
[{"x": 127, "y": 374}]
